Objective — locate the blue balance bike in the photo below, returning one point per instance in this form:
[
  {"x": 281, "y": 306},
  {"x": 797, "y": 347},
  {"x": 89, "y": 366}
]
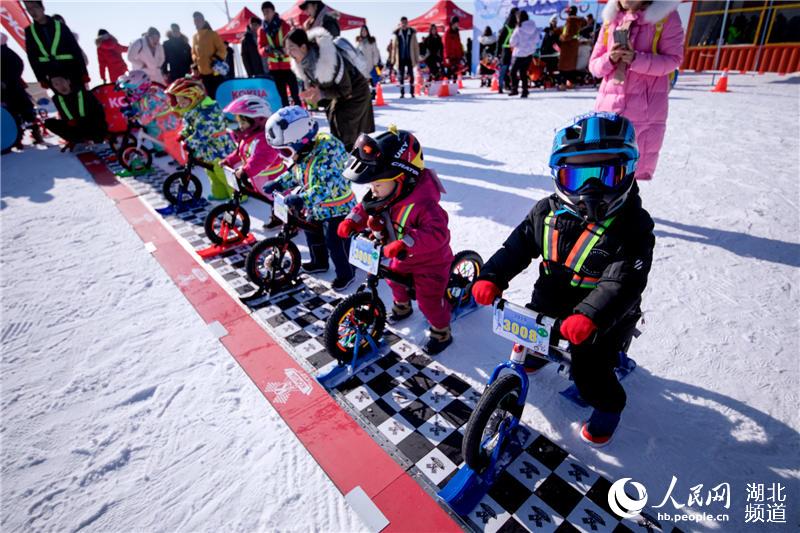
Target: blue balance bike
[{"x": 490, "y": 442}]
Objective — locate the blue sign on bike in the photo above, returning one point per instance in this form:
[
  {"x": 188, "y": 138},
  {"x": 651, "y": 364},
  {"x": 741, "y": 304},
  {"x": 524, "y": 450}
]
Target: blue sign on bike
[
  {"x": 519, "y": 325},
  {"x": 365, "y": 254}
]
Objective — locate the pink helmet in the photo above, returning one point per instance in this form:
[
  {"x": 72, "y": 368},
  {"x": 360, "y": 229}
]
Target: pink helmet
[{"x": 249, "y": 106}]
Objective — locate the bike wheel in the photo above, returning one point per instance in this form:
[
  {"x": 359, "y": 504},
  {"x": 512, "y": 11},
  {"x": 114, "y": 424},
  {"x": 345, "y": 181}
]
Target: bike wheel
[
  {"x": 231, "y": 216},
  {"x": 173, "y": 184},
  {"x": 464, "y": 270},
  {"x": 273, "y": 263},
  {"x": 359, "y": 310},
  {"x": 135, "y": 158},
  {"x": 118, "y": 141},
  {"x": 499, "y": 402}
]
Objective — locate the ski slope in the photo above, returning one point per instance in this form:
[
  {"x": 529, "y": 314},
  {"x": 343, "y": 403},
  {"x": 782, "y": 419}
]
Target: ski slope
[{"x": 121, "y": 411}]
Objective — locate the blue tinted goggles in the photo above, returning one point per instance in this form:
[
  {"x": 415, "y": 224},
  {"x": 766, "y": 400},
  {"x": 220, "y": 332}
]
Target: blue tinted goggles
[{"x": 572, "y": 178}]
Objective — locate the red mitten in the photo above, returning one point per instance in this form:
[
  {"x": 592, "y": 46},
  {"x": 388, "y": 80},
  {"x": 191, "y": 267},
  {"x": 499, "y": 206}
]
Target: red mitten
[
  {"x": 376, "y": 224},
  {"x": 577, "y": 328},
  {"x": 346, "y": 228},
  {"x": 394, "y": 248},
  {"x": 485, "y": 292}
]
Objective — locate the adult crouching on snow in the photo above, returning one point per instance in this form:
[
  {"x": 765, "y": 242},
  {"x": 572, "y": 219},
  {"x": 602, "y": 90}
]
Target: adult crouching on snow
[
  {"x": 636, "y": 75},
  {"x": 109, "y": 57},
  {"x": 330, "y": 76},
  {"x": 146, "y": 53},
  {"x": 523, "y": 42}
]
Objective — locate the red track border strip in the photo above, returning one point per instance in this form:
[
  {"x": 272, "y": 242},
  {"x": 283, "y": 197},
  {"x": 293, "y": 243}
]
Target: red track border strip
[{"x": 349, "y": 456}]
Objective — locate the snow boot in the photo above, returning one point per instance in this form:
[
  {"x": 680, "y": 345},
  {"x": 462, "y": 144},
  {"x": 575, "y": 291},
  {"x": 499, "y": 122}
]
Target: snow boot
[
  {"x": 36, "y": 133},
  {"x": 439, "y": 340},
  {"x": 400, "y": 311},
  {"x": 340, "y": 284},
  {"x": 599, "y": 429}
]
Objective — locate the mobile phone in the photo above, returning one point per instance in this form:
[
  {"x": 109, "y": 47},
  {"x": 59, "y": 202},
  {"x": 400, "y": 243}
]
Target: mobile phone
[{"x": 621, "y": 38}]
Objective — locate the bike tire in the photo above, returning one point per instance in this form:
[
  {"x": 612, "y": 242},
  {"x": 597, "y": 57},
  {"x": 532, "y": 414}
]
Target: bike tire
[
  {"x": 172, "y": 184},
  {"x": 286, "y": 273},
  {"x": 360, "y": 307},
  {"x": 127, "y": 156},
  {"x": 240, "y": 215},
  {"x": 464, "y": 271},
  {"x": 502, "y": 396}
]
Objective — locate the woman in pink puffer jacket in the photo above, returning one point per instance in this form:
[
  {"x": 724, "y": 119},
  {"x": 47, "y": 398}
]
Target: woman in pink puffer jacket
[{"x": 636, "y": 80}]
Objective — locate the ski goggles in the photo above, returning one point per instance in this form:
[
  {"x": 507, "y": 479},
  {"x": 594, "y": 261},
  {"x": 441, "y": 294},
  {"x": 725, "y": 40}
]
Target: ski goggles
[{"x": 572, "y": 178}]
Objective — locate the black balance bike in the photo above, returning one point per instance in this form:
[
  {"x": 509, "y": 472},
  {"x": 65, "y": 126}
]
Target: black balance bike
[{"x": 355, "y": 327}]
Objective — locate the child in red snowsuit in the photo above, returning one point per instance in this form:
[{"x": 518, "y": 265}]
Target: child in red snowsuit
[{"x": 402, "y": 209}]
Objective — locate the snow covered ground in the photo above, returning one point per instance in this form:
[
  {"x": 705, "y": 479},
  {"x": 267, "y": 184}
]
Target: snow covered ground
[{"x": 121, "y": 411}]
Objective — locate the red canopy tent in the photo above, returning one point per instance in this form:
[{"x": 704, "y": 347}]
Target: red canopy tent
[
  {"x": 296, "y": 17},
  {"x": 234, "y": 30},
  {"x": 440, "y": 14}
]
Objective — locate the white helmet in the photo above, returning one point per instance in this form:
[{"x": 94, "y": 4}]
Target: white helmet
[{"x": 291, "y": 129}]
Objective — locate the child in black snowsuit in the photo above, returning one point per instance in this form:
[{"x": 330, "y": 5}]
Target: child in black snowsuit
[{"x": 596, "y": 242}]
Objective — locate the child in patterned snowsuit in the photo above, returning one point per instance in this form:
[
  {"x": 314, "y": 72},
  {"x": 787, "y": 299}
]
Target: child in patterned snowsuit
[
  {"x": 325, "y": 193},
  {"x": 204, "y": 131}
]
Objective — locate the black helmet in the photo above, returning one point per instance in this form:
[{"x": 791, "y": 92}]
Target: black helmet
[
  {"x": 394, "y": 155},
  {"x": 596, "y": 188}
]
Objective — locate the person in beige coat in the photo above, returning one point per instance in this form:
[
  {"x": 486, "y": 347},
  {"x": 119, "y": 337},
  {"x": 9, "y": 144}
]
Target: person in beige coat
[{"x": 405, "y": 54}]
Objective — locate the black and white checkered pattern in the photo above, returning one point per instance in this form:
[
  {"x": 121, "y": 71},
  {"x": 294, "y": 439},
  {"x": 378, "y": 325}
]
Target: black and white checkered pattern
[{"x": 415, "y": 407}]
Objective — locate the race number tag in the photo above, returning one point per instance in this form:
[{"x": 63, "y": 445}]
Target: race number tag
[
  {"x": 279, "y": 207},
  {"x": 519, "y": 325},
  {"x": 365, "y": 254},
  {"x": 230, "y": 177}
]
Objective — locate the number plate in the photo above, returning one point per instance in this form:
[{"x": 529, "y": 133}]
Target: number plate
[
  {"x": 365, "y": 255},
  {"x": 230, "y": 177},
  {"x": 279, "y": 207},
  {"x": 519, "y": 324}
]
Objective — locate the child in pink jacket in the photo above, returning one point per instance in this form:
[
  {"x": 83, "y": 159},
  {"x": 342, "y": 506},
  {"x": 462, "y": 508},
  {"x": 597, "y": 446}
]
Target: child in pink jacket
[
  {"x": 636, "y": 78},
  {"x": 402, "y": 208},
  {"x": 260, "y": 162}
]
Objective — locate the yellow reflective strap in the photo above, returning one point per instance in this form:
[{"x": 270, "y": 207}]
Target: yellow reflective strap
[
  {"x": 64, "y": 107},
  {"x": 401, "y": 224},
  {"x": 44, "y": 57},
  {"x": 80, "y": 105}
]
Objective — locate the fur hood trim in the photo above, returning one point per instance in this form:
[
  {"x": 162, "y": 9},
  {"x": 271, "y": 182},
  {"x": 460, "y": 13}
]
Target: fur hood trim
[{"x": 321, "y": 68}]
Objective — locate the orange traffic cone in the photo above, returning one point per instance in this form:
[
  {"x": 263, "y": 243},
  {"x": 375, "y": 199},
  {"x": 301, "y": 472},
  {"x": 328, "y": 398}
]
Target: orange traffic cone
[
  {"x": 444, "y": 89},
  {"x": 460, "y": 82},
  {"x": 495, "y": 84},
  {"x": 722, "y": 84},
  {"x": 379, "y": 96}
]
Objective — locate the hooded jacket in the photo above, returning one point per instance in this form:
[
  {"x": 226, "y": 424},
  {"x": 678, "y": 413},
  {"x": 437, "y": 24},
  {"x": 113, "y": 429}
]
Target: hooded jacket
[
  {"x": 205, "y": 45},
  {"x": 420, "y": 222},
  {"x": 620, "y": 260},
  {"x": 349, "y": 108},
  {"x": 204, "y": 131},
  {"x": 141, "y": 57},
  {"x": 644, "y": 96},
  {"x": 324, "y": 190},
  {"x": 109, "y": 58},
  {"x": 260, "y": 161},
  {"x": 524, "y": 39}
]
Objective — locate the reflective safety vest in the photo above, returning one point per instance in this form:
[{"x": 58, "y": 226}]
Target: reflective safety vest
[
  {"x": 276, "y": 60},
  {"x": 45, "y": 57},
  {"x": 506, "y": 43},
  {"x": 65, "y": 109},
  {"x": 580, "y": 250}
]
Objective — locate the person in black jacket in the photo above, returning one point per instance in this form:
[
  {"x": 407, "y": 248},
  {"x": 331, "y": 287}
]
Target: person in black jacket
[
  {"x": 503, "y": 50},
  {"x": 434, "y": 52},
  {"x": 51, "y": 46},
  {"x": 13, "y": 95},
  {"x": 253, "y": 64},
  {"x": 177, "y": 54},
  {"x": 82, "y": 116},
  {"x": 596, "y": 242}
]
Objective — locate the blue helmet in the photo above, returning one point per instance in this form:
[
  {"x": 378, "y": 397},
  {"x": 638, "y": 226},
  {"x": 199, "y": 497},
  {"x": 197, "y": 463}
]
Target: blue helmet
[
  {"x": 291, "y": 129},
  {"x": 593, "y": 161}
]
